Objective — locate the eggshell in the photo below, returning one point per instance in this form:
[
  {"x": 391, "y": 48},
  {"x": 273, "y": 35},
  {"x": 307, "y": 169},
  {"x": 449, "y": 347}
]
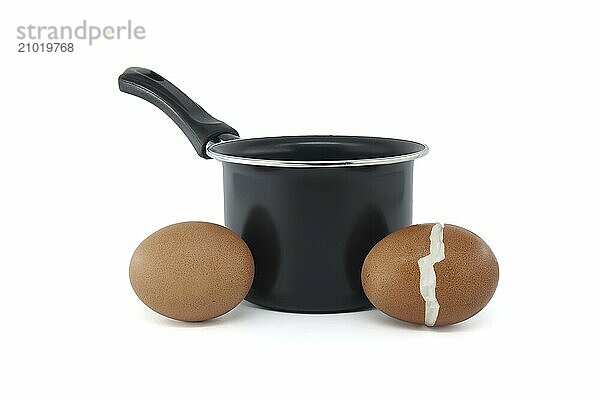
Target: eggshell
[
  {"x": 192, "y": 271},
  {"x": 466, "y": 278}
]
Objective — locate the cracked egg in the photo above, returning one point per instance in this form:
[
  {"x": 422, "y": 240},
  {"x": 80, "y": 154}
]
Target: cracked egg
[{"x": 430, "y": 274}]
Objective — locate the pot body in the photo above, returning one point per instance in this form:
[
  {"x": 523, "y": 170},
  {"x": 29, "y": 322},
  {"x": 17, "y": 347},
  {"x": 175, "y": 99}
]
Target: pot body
[{"x": 309, "y": 229}]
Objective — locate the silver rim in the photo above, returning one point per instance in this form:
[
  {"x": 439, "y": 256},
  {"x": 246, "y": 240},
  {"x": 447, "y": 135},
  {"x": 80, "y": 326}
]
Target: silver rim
[{"x": 260, "y": 162}]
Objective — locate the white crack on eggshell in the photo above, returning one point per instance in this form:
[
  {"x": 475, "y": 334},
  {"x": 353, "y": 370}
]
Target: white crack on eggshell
[{"x": 427, "y": 273}]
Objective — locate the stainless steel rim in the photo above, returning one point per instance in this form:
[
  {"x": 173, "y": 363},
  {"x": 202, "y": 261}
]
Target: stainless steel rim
[{"x": 361, "y": 162}]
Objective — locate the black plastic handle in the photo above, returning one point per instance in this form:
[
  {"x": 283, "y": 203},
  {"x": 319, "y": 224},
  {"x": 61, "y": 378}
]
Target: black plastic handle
[{"x": 198, "y": 125}]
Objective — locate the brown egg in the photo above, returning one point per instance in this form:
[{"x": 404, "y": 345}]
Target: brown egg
[
  {"x": 430, "y": 274},
  {"x": 192, "y": 271}
]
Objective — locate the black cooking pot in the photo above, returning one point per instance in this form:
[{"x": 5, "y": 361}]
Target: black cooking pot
[{"x": 309, "y": 207}]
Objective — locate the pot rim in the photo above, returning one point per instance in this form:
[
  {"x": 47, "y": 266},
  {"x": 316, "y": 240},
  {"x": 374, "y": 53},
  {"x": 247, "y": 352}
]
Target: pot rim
[{"x": 355, "y": 162}]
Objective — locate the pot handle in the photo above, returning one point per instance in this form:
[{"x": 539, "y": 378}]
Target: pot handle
[{"x": 198, "y": 125}]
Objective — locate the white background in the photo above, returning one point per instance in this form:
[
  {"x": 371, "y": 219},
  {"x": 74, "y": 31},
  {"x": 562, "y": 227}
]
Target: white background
[{"x": 506, "y": 94}]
